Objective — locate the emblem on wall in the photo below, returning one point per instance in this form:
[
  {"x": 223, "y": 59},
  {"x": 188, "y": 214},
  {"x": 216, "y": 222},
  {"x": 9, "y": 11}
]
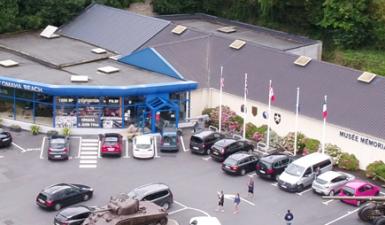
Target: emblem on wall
[
  {"x": 254, "y": 111},
  {"x": 265, "y": 115},
  {"x": 277, "y": 118}
]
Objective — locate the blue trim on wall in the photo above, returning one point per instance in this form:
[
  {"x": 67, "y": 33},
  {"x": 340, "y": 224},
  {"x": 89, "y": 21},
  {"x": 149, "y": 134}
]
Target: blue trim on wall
[
  {"x": 83, "y": 90},
  {"x": 152, "y": 60}
]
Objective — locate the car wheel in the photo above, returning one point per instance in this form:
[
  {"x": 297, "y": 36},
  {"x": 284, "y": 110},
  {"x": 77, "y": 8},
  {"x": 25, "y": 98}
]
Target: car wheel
[
  {"x": 243, "y": 172},
  {"x": 166, "y": 205},
  {"x": 300, "y": 188},
  {"x": 57, "y": 206},
  {"x": 162, "y": 221},
  {"x": 380, "y": 221},
  {"x": 86, "y": 197},
  {"x": 332, "y": 193},
  {"x": 367, "y": 212}
]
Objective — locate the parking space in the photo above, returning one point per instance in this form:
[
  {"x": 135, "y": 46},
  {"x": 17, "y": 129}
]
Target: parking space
[{"x": 194, "y": 182}]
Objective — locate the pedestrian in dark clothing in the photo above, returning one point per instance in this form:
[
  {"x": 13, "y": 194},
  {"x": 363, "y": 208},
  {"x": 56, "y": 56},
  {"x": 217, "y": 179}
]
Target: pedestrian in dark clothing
[
  {"x": 250, "y": 187},
  {"x": 289, "y": 217},
  {"x": 221, "y": 200},
  {"x": 237, "y": 201}
]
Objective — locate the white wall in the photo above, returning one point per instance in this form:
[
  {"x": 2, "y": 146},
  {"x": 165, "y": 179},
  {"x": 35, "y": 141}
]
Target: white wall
[
  {"x": 313, "y": 51},
  {"x": 310, "y": 127}
]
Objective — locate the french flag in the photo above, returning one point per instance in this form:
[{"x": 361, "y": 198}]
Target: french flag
[
  {"x": 271, "y": 92},
  {"x": 324, "y": 109}
]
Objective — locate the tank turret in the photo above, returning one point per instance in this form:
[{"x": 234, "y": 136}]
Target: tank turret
[{"x": 126, "y": 211}]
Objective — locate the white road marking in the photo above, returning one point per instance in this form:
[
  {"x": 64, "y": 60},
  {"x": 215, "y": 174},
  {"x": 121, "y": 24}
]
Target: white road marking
[
  {"x": 181, "y": 141},
  {"x": 88, "y": 157},
  {"x": 89, "y": 153},
  {"x": 156, "y": 147},
  {"x": 327, "y": 202},
  {"x": 303, "y": 192},
  {"x": 176, "y": 211},
  {"x": 42, "y": 148},
  {"x": 251, "y": 175},
  {"x": 88, "y": 161},
  {"x": 343, "y": 216},
  {"x": 206, "y": 158},
  {"x": 80, "y": 146},
  {"x": 99, "y": 154},
  {"x": 1, "y": 156},
  {"x": 87, "y": 166},
  {"x": 274, "y": 184},
  {"x": 22, "y": 149},
  {"x": 126, "y": 156},
  {"x": 186, "y": 207},
  {"x": 231, "y": 197},
  {"x": 32, "y": 149}
]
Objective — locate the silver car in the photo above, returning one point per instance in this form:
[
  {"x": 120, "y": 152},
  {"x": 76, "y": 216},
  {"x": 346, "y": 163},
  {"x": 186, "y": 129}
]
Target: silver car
[{"x": 329, "y": 183}]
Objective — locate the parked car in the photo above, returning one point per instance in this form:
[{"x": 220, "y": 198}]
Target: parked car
[
  {"x": 300, "y": 173},
  {"x": 58, "y": 147},
  {"x": 202, "y": 142},
  {"x": 225, "y": 147},
  {"x": 143, "y": 147},
  {"x": 170, "y": 140},
  {"x": 157, "y": 193},
  {"x": 330, "y": 182},
  {"x": 74, "y": 215},
  {"x": 60, "y": 195},
  {"x": 5, "y": 138},
  {"x": 240, "y": 163},
  {"x": 272, "y": 166},
  {"x": 204, "y": 220},
  {"x": 111, "y": 144},
  {"x": 358, "y": 188}
]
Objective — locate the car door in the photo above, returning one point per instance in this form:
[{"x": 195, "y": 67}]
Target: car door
[
  {"x": 283, "y": 165},
  {"x": 243, "y": 164},
  {"x": 308, "y": 177},
  {"x": 277, "y": 166},
  {"x": 361, "y": 191},
  {"x": 252, "y": 163},
  {"x": 338, "y": 182},
  {"x": 79, "y": 219}
]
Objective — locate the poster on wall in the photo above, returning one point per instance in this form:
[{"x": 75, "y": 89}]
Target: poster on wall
[
  {"x": 112, "y": 122},
  {"x": 88, "y": 121},
  {"x": 65, "y": 121}
]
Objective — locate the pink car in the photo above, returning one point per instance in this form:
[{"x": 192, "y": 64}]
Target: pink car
[{"x": 358, "y": 188}]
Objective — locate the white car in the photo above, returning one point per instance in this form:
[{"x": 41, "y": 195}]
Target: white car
[
  {"x": 204, "y": 220},
  {"x": 329, "y": 183},
  {"x": 143, "y": 147}
]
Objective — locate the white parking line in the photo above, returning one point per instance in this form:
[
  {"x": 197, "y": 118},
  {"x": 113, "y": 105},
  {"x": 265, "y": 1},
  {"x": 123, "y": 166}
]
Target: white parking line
[
  {"x": 156, "y": 147},
  {"x": 42, "y": 148},
  {"x": 87, "y": 166},
  {"x": 1, "y": 156},
  {"x": 32, "y": 149},
  {"x": 178, "y": 210},
  {"x": 327, "y": 202},
  {"x": 251, "y": 175},
  {"x": 88, "y": 157},
  {"x": 186, "y": 207},
  {"x": 274, "y": 184},
  {"x": 126, "y": 156},
  {"x": 343, "y": 216},
  {"x": 206, "y": 158},
  {"x": 231, "y": 197},
  {"x": 181, "y": 141},
  {"x": 303, "y": 192},
  {"x": 88, "y": 161},
  {"x": 22, "y": 149}
]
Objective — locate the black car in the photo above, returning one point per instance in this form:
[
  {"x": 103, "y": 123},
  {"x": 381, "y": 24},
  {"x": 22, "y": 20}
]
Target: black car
[
  {"x": 240, "y": 163},
  {"x": 157, "y": 193},
  {"x": 5, "y": 138},
  {"x": 273, "y": 165},
  {"x": 58, "y": 147},
  {"x": 59, "y": 195},
  {"x": 74, "y": 215},
  {"x": 201, "y": 142},
  {"x": 225, "y": 147},
  {"x": 170, "y": 140}
]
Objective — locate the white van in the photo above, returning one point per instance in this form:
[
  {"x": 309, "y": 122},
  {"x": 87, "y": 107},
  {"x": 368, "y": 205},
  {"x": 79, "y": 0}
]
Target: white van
[{"x": 301, "y": 172}]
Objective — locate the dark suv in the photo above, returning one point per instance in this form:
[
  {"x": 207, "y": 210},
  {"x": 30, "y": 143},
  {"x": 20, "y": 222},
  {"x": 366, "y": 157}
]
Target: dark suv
[
  {"x": 170, "y": 140},
  {"x": 272, "y": 166},
  {"x": 201, "y": 142},
  {"x": 240, "y": 163},
  {"x": 225, "y": 147},
  {"x": 157, "y": 193}
]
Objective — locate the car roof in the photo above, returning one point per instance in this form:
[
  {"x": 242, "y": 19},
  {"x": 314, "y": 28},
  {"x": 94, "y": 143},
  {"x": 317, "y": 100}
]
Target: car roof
[
  {"x": 225, "y": 142},
  {"x": 56, "y": 188},
  {"x": 149, "y": 188},
  {"x": 74, "y": 210},
  {"x": 311, "y": 159},
  {"x": 203, "y": 134},
  {"x": 329, "y": 175},
  {"x": 273, "y": 158},
  {"x": 58, "y": 136},
  {"x": 239, "y": 155},
  {"x": 356, "y": 184}
]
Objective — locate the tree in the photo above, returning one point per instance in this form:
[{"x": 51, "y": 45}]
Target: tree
[
  {"x": 348, "y": 20},
  {"x": 8, "y": 14}
]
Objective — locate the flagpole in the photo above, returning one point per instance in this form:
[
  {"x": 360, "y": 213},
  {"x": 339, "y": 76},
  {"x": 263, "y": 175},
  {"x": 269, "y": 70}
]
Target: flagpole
[
  {"x": 268, "y": 119},
  {"x": 324, "y": 128},
  {"x": 220, "y": 100},
  {"x": 296, "y": 122},
  {"x": 244, "y": 108}
]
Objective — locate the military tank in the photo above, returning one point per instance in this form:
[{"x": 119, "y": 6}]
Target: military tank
[
  {"x": 373, "y": 212},
  {"x": 126, "y": 211}
]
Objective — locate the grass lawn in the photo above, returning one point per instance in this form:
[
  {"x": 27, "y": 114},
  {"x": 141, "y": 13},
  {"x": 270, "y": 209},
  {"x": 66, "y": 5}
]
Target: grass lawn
[{"x": 361, "y": 59}]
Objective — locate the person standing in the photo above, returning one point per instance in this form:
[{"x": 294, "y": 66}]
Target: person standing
[
  {"x": 250, "y": 186},
  {"x": 237, "y": 201},
  {"x": 221, "y": 200},
  {"x": 289, "y": 217}
]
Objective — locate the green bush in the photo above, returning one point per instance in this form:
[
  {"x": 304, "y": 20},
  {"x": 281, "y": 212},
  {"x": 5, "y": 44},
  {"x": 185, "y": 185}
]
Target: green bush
[
  {"x": 262, "y": 129},
  {"x": 312, "y": 145},
  {"x": 288, "y": 142},
  {"x": 334, "y": 151},
  {"x": 348, "y": 162},
  {"x": 66, "y": 131},
  {"x": 35, "y": 129},
  {"x": 250, "y": 130},
  {"x": 207, "y": 111},
  {"x": 373, "y": 168}
]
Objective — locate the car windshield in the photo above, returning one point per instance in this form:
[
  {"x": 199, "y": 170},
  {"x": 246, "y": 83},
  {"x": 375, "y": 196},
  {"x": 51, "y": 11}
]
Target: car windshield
[
  {"x": 196, "y": 140},
  {"x": 321, "y": 181},
  {"x": 348, "y": 191},
  {"x": 170, "y": 140},
  {"x": 143, "y": 146},
  {"x": 294, "y": 170},
  {"x": 230, "y": 161},
  {"x": 264, "y": 165},
  {"x": 58, "y": 143},
  {"x": 110, "y": 141}
]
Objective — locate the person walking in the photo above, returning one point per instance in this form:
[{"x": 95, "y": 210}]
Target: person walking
[
  {"x": 237, "y": 201},
  {"x": 221, "y": 200},
  {"x": 250, "y": 187},
  {"x": 289, "y": 217}
]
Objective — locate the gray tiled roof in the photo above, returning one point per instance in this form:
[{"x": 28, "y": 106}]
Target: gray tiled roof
[
  {"x": 351, "y": 104},
  {"x": 113, "y": 29}
]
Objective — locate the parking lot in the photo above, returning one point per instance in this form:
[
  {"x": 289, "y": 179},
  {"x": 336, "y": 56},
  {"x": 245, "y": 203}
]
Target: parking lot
[{"x": 194, "y": 180}]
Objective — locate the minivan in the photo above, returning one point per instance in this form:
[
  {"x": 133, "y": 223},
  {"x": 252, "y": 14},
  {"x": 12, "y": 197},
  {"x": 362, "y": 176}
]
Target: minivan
[
  {"x": 170, "y": 140},
  {"x": 302, "y": 172},
  {"x": 272, "y": 166},
  {"x": 201, "y": 142},
  {"x": 157, "y": 193}
]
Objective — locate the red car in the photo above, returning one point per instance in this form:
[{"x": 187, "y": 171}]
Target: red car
[
  {"x": 111, "y": 144},
  {"x": 358, "y": 188}
]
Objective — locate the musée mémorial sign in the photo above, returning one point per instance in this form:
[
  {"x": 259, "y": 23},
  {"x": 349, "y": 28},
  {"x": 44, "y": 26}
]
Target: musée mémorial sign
[{"x": 362, "y": 139}]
